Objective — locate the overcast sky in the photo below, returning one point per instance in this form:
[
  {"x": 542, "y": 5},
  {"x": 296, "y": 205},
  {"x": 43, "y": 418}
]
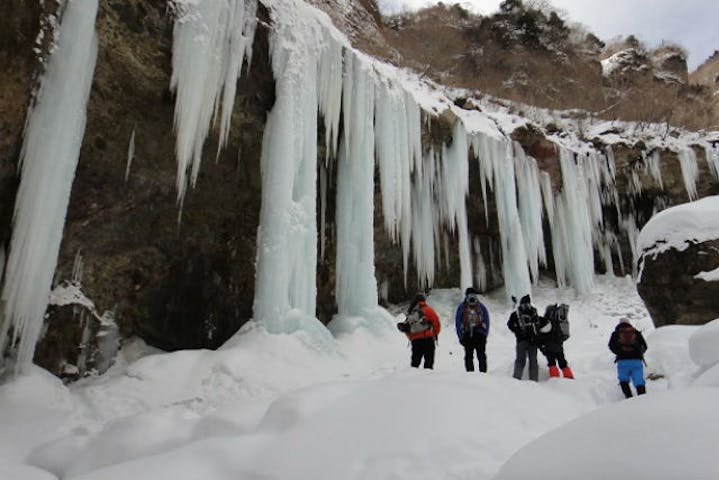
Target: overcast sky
[{"x": 694, "y": 24}]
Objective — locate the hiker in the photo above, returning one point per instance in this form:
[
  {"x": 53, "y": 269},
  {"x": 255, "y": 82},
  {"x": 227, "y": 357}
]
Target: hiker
[
  {"x": 523, "y": 322},
  {"x": 553, "y": 332},
  {"x": 628, "y": 344},
  {"x": 422, "y": 328},
  {"x": 472, "y": 324}
]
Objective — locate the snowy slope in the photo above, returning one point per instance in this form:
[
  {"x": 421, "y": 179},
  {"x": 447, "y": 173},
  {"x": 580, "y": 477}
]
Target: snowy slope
[{"x": 275, "y": 406}]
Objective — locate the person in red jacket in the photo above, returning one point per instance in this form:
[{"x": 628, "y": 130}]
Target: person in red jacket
[{"x": 422, "y": 328}]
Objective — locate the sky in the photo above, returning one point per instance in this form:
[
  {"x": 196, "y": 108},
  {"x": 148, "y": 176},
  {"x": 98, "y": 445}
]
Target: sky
[
  {"x": 692, "y": 24},
  {"x": 278, "y": 406}
]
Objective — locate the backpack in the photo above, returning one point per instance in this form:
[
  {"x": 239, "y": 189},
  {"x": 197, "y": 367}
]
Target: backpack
[
  {"x": 526, "y": 320},
  {"x": 472, "y": 317},
  {"x": 416, "y": 321},
  {"x": 627, "y": 339},
  {"x": 558, "y": 316}
]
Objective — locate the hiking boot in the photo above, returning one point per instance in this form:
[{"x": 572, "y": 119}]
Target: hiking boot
[
  {"x": 625, "y": 389},
  {"x": 641, "y": 389},
  {"x": 553, "y": 371},
  {"x": 567, "y": 372}
]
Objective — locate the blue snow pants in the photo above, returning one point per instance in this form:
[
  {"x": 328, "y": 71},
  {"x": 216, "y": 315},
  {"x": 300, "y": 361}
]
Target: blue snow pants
[{"x": 631, "y": 369}]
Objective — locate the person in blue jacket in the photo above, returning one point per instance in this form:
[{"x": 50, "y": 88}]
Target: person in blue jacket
[{"x": 472, "y": 324}]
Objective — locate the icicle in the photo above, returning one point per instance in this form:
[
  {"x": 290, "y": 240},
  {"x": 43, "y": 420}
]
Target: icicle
[
  {"x": 78, "y": 268},
  {"x": 424, "y": 219},
  {"x": 630, "y": 227},
  {"x": 711, "y": 153},
  {"x": 210, "y": 40},
  {"x": 130, "y": 154},
  {"x": 572, "y": 235},
  {"x": 454, "y": 188},
  {"x": 49, "y": 157},
  {"x": 654, "y": 164},
  {"x": 690, "y": 171},
  {"x": 529, "y": 197},
  {"x": 481, "y": 275},
  {"x": 609, "y": 170},
  {"x": 496, "y": 161},
  {"x": 329, "y": 86}
]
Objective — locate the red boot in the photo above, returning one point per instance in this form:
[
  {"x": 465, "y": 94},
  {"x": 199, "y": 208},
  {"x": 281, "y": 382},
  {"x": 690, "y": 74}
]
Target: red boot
[
  {"x": 567, "y": 372},
  {"x": 553, "y": 371}
]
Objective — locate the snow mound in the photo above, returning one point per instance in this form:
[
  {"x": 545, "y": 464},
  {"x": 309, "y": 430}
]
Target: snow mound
[
  {"x": 629, "y": 439},
  {"x": 703, "y": 345}
]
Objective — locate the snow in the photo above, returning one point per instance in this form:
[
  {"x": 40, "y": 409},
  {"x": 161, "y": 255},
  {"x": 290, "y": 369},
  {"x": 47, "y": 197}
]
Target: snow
[
  {"x": 287, "y": 397},
  {"x": 702, "y": 345},
  {"x": 679, "y": 226},
  {"x": 280, "y": 406},
  {"x": 50, "y": 153},
  {"x": 623, "y": 441}
]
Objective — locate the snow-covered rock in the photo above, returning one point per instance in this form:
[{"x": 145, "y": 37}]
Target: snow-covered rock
[{"x": 678, "y": 257}]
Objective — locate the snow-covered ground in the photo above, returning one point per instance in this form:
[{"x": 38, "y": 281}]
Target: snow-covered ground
[{"x": 276, "y": 406}]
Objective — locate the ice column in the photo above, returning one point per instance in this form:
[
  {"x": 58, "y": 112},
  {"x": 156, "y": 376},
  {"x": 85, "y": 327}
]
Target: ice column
[
  {"x": 211, "y": 38},
  {"x": 530, "y": 209},
  {"x": 356, "y": 289},
  {"x": 285, "y": 293},
  {"x": 51, "y": 148}
]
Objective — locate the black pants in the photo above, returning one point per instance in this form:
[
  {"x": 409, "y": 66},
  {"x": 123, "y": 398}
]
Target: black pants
[
  {"x": 423, "y": 347},
  {"x": 472, "y": 344},
  {"x": 554, "y": 354}
]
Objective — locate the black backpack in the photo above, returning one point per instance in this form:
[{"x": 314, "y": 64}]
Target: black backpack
[
  {"x": 527, "y": 319},
  {"x": 558, "y": 316}
]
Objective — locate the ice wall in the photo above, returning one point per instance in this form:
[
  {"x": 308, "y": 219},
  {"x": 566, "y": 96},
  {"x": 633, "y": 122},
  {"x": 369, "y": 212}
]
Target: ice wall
[{"x": 51, "y": 148}]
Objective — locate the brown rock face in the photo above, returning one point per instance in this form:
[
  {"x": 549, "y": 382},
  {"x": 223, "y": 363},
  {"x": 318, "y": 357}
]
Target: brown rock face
[{"x": 670, "y": 290}]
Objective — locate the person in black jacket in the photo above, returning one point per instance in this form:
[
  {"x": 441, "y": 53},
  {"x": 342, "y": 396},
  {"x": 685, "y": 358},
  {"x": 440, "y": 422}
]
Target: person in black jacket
[
  {"x": 551, "y": 344},
  {"x": 628, "y": 344},
  {"x": 523, "y": 322}
]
